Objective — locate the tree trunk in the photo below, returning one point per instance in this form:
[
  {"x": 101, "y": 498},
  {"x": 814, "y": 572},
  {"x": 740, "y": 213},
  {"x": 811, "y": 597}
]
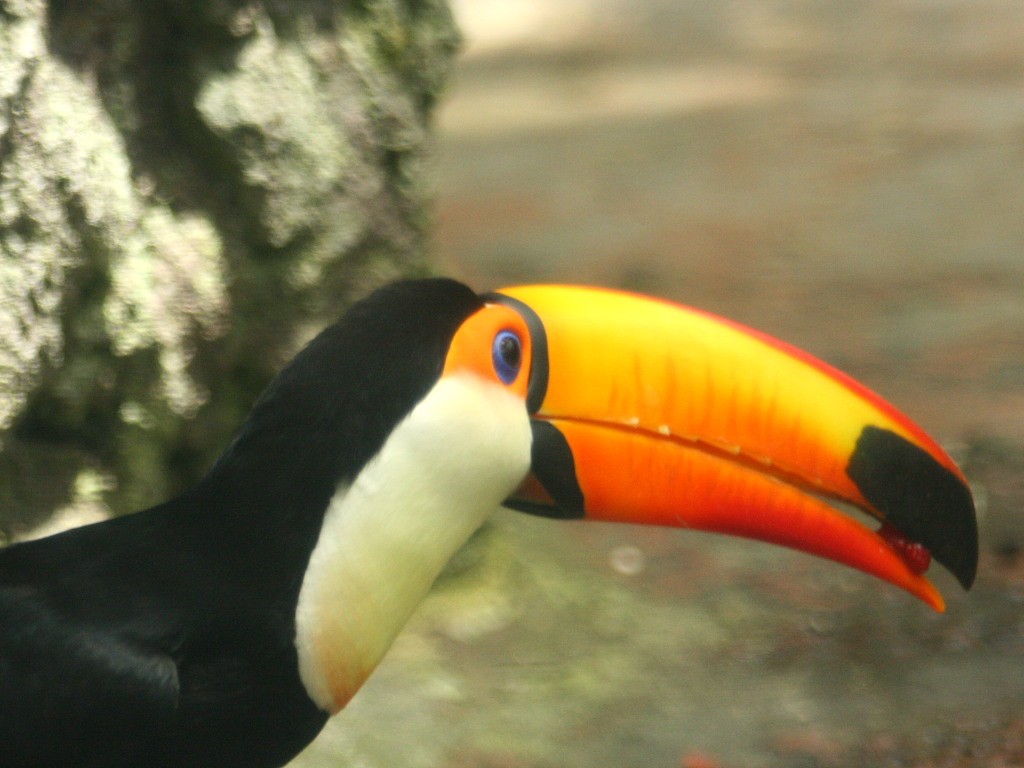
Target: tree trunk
[{"x": 188, "y": 188}]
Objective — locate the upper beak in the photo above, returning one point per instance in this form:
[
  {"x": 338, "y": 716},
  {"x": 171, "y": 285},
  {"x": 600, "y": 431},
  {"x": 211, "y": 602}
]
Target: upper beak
[{"x": 649, "y": 412}]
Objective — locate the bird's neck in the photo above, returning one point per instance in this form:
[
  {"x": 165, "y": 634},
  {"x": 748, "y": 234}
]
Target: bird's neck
[{"x": 387, "y": 535}]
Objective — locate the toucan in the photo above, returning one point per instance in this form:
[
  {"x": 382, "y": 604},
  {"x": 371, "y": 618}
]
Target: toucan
[{"x": 225, "y": 626}]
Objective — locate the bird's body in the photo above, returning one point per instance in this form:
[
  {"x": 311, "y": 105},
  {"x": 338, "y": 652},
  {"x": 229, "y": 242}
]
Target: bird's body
[
  {"x": 224, "y": 627},
  {"x": 141, "y": 642},
  {"x": 168, "y": 637}
]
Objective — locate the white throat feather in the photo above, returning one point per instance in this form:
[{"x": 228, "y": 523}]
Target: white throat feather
[{"x": 385, "y": 538}]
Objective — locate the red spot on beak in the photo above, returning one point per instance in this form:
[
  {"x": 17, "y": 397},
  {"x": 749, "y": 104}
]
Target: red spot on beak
[{"x": 915, "y": 555}]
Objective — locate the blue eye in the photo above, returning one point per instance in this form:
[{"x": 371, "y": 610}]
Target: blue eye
[{"x": 507, "y": 354}]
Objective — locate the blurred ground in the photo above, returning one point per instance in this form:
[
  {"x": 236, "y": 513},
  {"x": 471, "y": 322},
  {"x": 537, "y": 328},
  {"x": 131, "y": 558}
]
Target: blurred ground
[{"x": 848, "y": 176}]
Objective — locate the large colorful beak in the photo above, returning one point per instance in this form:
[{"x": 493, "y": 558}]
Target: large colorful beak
[{"x": 648, "y": 412}]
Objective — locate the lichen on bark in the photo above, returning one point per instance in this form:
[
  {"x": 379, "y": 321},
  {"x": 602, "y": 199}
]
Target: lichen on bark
[{"x": 186, "y": 189}]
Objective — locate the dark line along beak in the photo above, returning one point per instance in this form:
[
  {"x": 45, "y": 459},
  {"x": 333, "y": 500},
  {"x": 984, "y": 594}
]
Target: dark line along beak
[{"x": 649, "y": 412}]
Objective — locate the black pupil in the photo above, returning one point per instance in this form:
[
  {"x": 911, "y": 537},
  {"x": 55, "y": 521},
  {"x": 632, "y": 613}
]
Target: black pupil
[{"x": 510, "y": 351}]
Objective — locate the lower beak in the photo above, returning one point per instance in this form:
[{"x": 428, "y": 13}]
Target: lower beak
[{"x": 648, "y": 412}]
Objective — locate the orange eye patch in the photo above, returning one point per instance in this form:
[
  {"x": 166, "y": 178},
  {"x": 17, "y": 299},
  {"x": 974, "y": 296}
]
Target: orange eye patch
[{"x": 494, "y": 344}]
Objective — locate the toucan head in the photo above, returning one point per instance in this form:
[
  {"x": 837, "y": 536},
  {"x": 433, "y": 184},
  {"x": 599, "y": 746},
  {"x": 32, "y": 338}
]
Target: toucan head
[
  {"x": 645, "y": 411},
  {"x": 402, "y": 426}
]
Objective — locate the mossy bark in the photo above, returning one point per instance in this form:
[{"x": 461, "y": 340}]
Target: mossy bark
[{"x": 187, "y": 189}]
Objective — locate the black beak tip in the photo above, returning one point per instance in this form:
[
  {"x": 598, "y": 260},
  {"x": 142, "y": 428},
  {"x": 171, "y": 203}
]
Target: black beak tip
[{"x": 920, "y": 497}]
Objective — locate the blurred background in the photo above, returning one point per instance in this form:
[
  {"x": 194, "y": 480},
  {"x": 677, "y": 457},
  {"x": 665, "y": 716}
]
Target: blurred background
[
  {"x": 847, "y": 176},
  {"x": 189, "y": 190}
]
